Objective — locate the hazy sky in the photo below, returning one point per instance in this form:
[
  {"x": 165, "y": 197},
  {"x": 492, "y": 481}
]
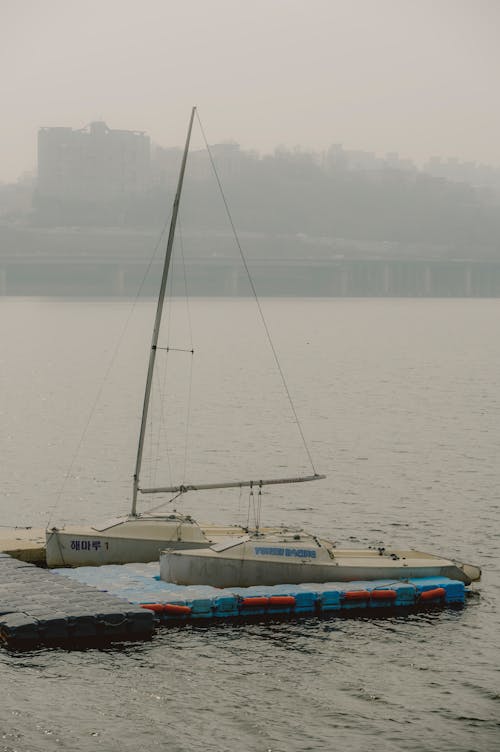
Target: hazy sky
[{"x": 416, "y": 76}]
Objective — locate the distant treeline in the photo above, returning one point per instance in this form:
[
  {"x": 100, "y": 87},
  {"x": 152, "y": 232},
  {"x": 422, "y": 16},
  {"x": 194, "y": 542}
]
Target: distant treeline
[{"x": 293, "y": 193}]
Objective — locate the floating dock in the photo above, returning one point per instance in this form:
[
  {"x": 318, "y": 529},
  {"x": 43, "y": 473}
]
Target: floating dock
[
  {"x": 36, "y": 607},
  {"x": 24, "y": 543},
  {"x": 116, "y": 603},
  {"x": 140, "y": 584}
]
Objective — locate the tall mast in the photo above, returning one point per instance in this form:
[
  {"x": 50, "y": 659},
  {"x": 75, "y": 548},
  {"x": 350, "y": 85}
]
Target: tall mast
[{"x": 159, "y": 310}]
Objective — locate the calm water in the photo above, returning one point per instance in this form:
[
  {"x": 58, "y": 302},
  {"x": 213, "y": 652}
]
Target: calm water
[{"x": 400, "y": 402}]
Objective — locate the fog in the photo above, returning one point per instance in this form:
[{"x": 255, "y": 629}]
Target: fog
[{"x": 419, "y": 78}]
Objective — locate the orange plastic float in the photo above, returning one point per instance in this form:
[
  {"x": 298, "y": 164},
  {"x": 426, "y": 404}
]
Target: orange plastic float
[
  {"x": 356, "y": 595},
  {"x": 167, "y": 608},
  {"x": 433, "y": 595},
  {"x": 256, "y": 601},
  {"x": 156, "y": 607},
  {"x": 282, "y": 600},
  {"x": 176, "y": 609},
  {"x": 383, "y": 595}
]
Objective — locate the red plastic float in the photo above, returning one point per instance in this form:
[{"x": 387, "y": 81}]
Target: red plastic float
[
  {"x": 282, "y": 600},
  {"x": 383, "y": 595},
  {"x": 356, "y": 595},
  {"x": 262, "y": 601},
  {"x": 167, "y": 608},
  {"x": 257, "y": 601},
  {"x": 434, "y": 594},
  {"x": 176, "y": 609}
]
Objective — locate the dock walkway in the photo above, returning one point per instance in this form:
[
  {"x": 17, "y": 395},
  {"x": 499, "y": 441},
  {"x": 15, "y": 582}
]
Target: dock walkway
[
  {"x": 37, "y": 607},
  {"x": 24, "y": 543}
]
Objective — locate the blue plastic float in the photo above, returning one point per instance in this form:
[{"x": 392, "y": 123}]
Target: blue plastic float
[{"x": 140, "y": 584}]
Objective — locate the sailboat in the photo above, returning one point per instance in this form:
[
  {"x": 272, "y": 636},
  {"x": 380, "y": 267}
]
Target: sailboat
[
  {"x": 139, "y": 537},
  {"x": 297, "y": 557},
  {"x": 231, "y": 556}
]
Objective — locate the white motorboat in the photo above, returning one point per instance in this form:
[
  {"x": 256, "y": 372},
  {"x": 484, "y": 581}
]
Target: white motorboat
[{"x": 295, "y": 557}]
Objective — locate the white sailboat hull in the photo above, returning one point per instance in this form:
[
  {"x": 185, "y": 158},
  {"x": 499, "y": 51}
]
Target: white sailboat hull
[
  {"x": 129, "y": 540},
  {"x": 241, "y": 567}
]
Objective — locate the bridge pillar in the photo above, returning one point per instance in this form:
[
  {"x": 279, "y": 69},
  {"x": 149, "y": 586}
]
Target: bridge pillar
[
  {"x": 232, "y": 282},
  {"x": 387, "y": 279},
  {"x": 468, "y": 281},
  {"x": 3, "y": 282},
  {"x": 335, "y": 281},
  {"x": 118, "y": 281},
  {"x": 427, "y": 280},
  {"x": 344, "y": 282}
]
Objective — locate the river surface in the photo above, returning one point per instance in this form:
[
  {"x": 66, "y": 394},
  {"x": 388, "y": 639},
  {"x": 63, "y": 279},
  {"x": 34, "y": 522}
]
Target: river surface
[{"x": 399, "y": 401}]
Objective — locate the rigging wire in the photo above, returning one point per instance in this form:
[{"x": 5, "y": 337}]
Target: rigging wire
[
  {"x": 161, "y": 382},
  {"x": 250, "y": 506},
  {"x": 164, "y": 503},
  {"x": 186, "y": 289},
  {"x": 191, "y": 363},
  {"x": 254, "y": 292},
  {"x": 162, "y": 434},
  {"x": 240, "y": 516},
  {"x": 152, "y": 473},
  {"x": 259, "y": 509},
  {"x": 52, "y": 509},
  {"x": 162, "y": 385}
]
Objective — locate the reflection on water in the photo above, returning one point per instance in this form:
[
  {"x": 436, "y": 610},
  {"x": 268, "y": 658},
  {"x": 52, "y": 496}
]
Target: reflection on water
[{"x": 400, "y": 402}]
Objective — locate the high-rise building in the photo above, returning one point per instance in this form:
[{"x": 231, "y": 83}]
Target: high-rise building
[{"x": 94, "y": 163}]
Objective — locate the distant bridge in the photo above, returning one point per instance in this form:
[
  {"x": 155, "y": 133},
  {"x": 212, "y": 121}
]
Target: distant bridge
[{"x": 114, "y": 274}]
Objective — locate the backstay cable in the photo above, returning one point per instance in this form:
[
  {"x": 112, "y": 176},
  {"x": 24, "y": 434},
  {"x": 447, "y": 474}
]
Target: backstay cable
[{"x": 254, "y": 292}]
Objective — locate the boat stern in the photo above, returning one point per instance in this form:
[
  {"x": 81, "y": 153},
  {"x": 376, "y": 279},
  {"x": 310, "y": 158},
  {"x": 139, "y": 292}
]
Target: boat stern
[{"x": 471, "y": 572}]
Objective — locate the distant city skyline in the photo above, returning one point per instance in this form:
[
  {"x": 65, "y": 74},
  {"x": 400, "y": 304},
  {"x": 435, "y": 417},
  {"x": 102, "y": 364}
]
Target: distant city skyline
[
  {"x": 450, "y": 167},
  {"x": 97, "y": 161},
  {"x": 420, "y": 163},
  {"x": 417, "y": 78}
]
